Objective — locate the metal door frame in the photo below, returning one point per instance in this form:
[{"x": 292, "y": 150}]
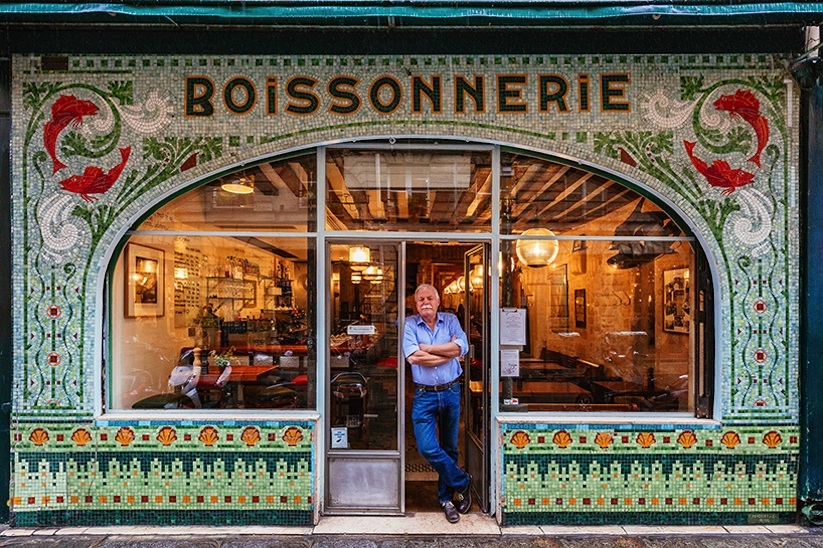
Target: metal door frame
[
  {"x": 374, "y": 455},
  {"x": 484, "y": 250}
]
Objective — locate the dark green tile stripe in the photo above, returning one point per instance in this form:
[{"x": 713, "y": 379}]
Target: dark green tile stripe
[{"x": 161, "y": 517}]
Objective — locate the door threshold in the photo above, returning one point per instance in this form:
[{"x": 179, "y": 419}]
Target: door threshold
[{"x": 413, "y": 523}]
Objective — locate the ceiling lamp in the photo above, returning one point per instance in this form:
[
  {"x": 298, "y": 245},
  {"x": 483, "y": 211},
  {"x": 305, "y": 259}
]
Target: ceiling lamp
[
  {"x": 476, "y": 277},
  {"x": 355, "y": 278},
  {"x": 537, "y": 253},
  {"x": 242, "y": 185},
  {"x": 359, "y": 257}
]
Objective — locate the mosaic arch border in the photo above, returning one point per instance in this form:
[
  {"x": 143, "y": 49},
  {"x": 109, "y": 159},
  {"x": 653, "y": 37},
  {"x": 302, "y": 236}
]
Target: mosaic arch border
[{"x": 65, "y": 242}]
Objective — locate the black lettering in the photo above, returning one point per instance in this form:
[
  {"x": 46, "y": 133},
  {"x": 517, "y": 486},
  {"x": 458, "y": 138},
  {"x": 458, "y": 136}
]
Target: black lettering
[
  {"x": 608, "y": 93},
  {"x": 553, "y": 89},
  {"x": 374, "y": 95},
  {"x": 348, "y": 101},
  {"x": 199, "y": 92},
  {"x": 433, "y": 93},
  {"x": 463, "y": 88},
  {"x": 509, "y": 97},
  {"x": 306, "y": 102},
  {"x": 249, "y": 93}
]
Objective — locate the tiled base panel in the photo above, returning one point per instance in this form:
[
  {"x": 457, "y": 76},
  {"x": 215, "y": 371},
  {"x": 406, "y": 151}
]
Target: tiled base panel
[
  {"x": 615, "y": 474},
  {"x": 163, "y": 474}
]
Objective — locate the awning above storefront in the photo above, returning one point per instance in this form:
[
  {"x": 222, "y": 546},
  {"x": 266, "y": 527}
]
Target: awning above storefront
[{"x": 416, "y": 14}]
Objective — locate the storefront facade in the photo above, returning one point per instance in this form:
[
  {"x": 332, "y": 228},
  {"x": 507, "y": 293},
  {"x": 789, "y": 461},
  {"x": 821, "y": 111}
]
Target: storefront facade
[{"x": 653, "y": 377}]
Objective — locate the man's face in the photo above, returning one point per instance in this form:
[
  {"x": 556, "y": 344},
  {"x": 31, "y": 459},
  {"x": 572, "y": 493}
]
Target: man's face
[{"x": 427, "y": 302}]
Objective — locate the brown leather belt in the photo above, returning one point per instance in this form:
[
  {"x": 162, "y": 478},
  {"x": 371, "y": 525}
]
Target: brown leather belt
[{"x": 437, "y": 387}]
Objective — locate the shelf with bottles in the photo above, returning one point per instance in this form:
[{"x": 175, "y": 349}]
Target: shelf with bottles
[{"x": 232, "y": 290}]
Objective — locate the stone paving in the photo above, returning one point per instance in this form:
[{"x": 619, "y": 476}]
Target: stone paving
[{"x": 474, "y": 530}]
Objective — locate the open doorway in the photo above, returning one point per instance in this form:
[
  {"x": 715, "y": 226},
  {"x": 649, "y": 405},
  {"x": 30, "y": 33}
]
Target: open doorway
[{"x": 456, "y": 270}]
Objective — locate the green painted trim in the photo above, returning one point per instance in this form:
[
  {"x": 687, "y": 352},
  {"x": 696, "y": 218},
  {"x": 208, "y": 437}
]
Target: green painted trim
[{"x": 358, "y": 13}]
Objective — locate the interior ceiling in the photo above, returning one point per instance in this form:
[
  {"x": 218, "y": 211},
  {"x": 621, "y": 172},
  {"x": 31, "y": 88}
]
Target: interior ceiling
[
  {"x": 543, "y": 193},
  {"x": 561, "y": 197}
]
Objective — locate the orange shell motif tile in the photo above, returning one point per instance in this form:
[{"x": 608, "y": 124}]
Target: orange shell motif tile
[
  {"x": 730, "y": 439},
  {"x": 81, "y": 437},
  {"x": 772, "y": 439},
  {"x": 520, "y": 439},
  {"x": 603, "y": 439},
  {"x": 167, "y": 435},
  {"x": 687, "y": 439},
  {"x": 251, "y": 435},
  {"x": 645, "y": 439},
  {"x": 208, "y": 436},
  {"x": 124, "y": 436},
  {"x": 292, "y": 436},
  {"x": 562, "y": 439},
  {"x": 39, "y": 436}
]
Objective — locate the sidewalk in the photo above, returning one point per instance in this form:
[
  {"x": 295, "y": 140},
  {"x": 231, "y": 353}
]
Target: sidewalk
[{"x": 419, "y": 530}]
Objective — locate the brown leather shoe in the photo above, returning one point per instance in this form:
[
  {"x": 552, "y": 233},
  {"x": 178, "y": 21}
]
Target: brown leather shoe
[
  {"x": 464, "y": 499},
  {"x": 450, "y": 511}
]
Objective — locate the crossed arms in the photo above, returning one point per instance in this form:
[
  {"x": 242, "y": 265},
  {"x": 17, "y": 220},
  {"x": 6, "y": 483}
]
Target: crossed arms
[{"x": 432, "y": 355}]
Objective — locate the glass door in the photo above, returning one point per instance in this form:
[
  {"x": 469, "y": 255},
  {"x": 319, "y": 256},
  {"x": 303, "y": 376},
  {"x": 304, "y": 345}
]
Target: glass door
[
  {"x": 364, "y": 458},
  {"x": 477, "y": 373}
]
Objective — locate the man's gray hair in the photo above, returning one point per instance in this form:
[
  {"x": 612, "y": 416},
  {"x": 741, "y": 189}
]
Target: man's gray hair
[{"x": 426, "y": 286}]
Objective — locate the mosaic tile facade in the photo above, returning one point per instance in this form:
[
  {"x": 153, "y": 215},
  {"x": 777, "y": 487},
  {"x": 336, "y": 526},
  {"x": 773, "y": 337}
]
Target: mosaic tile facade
[
  {"x": 161, "y": 473},
  {"x": 97, "y": 143},
  {"x": 578, "y": 474}
]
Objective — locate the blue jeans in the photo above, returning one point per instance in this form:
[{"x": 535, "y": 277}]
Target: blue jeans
[{"x": 430, "y": 411}]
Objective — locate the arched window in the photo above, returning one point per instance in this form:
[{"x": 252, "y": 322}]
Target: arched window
[{"x": 215, "y": 303}]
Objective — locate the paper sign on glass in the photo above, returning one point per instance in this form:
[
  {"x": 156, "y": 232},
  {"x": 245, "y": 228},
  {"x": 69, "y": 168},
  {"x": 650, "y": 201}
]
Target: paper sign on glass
[
  {"x": 513, "y": 326},
  {"x": 509, "y": 363}
]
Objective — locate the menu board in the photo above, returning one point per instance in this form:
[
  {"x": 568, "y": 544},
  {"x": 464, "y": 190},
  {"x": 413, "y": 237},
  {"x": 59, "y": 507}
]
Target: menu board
[{"x": 187, "y": 286}]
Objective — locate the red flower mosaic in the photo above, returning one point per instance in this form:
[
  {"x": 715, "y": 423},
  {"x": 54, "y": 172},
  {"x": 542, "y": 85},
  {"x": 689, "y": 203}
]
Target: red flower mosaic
[
  {"x": 760, "y": 355},
  {"x": 54, "y": 311},
  {"x": 760, "y": 306},
  {"x": 53, "y": 359}
]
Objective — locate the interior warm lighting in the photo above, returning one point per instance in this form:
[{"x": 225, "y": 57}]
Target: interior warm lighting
[
  {"x": 373, "y": 272},
  {"x": 476, "y": 276},
  {"x": 537, "y": 253},
  {"x": 355, "y": 278},
  {"x": 242, "y": 185},
  {"x": 359, "y": 257},
  {"x": 181, "y": 273}
]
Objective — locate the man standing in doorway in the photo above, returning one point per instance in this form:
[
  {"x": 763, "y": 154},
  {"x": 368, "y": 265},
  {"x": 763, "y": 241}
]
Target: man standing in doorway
[{"x": 432, "y": 343}]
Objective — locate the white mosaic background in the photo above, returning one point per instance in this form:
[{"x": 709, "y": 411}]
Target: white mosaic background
[{"x": 136, "y": 124}]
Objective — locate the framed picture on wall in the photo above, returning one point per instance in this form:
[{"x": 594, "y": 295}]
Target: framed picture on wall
[
  {"x": 676, "y": 300},
  {"x": 580, "y": 308},
  {"x": 145, "y": 281}
]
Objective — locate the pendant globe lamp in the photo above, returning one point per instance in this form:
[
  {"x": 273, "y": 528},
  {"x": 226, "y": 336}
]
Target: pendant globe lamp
[{"x": 537, "y": 253}]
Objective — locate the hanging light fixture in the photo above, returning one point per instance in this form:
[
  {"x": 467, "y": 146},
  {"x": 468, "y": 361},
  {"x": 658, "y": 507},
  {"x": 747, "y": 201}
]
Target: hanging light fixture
[
  {"x": 359, "y": 257},
  {"x": 476, "y": 277},
  {"x": 242, "y": 185},
  {"x": 355, "y": 278},
  {"x": 537, "y": 253}
]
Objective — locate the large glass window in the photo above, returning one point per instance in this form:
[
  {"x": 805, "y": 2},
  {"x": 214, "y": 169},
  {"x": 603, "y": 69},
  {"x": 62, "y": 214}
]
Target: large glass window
[
  {"x": 214, "y": 304},
  {"x": 608, "y": 321},
  {"x": 204, "y": 320},
  {"x": 409, "y": 189}
]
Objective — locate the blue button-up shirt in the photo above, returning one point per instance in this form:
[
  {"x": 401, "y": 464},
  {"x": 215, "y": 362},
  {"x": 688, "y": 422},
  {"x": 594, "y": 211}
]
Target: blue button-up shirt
[{"x": 416, "y": 331}]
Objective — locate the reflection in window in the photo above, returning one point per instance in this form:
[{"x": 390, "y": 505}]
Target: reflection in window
[
  {"x": 230, "y": 326},
  {"x": 408, "y": 190},
  {"x": 608, "y": 327},
  {"x": 274, "y": 196},
  {"x": 536, "y": 193},
  {"x": 363, "y": 346}
]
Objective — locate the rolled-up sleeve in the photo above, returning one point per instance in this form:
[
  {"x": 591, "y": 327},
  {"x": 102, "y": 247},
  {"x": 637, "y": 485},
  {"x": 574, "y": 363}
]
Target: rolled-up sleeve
[
  {"x": 410, "y": 344},
  {"x": 461, "y": 339}
]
